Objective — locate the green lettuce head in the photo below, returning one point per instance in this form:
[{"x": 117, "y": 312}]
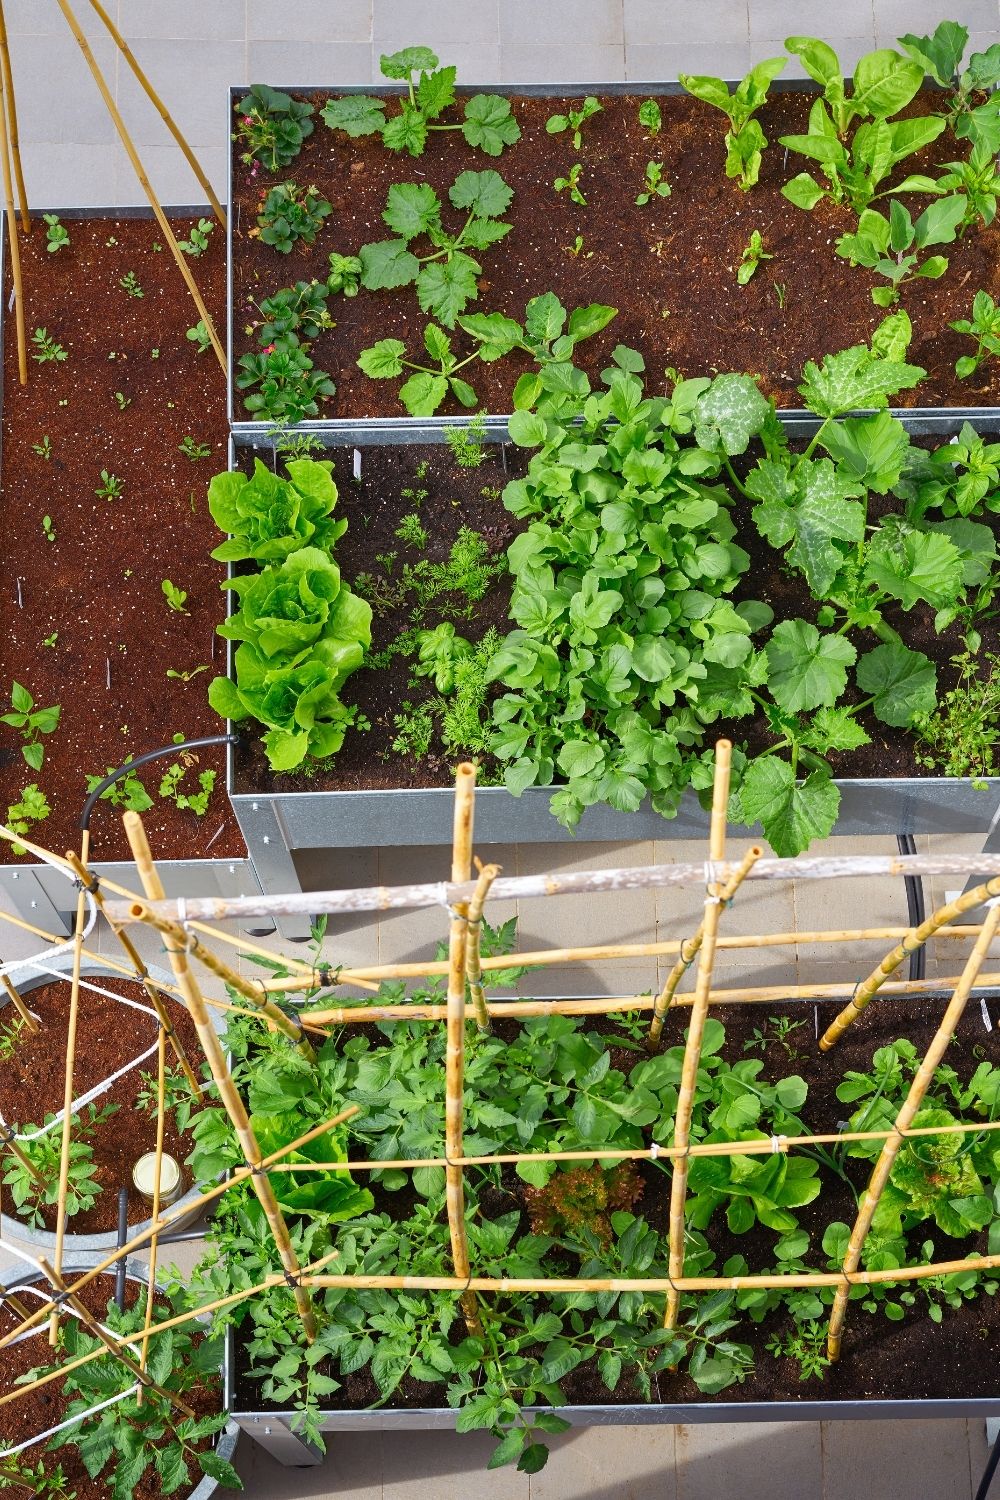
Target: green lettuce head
[{"x": 270, "y": 518}]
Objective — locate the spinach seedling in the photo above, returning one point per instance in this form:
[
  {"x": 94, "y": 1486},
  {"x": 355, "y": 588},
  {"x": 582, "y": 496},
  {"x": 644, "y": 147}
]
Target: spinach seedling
[
  {"x": 576, "y": 249},
  {"x": 753, "y": 254},
  {"x": 745, "y": 140},
  {"x": 655, "y": 186},
  {"x": 175, "y": 597},
  {"x": 48, "y": 528},
  {"x": 984, "y": 327},
  {"x": 571, "y": 184},
  {"x": 882, "y": 244},
  {"x": 50, "y": 640},
  {"x": 650, "y": 118},
  {"x": 185, "y": 676},
  {"x": 110, "y": 487},
  {"x": 56, "y": 234},
  {"x": 32, "y": 723},
  {"x": 574, "y": 119},
  {"x": 199, "y": 336},
  {"x": 121, "y": 400},
  {"x": 488, "y": 123},
  {"x": 43, "y": 448}
]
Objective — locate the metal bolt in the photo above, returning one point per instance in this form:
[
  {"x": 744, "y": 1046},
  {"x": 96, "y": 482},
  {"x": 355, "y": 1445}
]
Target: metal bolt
[
  {"x": 254, "y": 806},
  {"x": 266, "y": 840}
]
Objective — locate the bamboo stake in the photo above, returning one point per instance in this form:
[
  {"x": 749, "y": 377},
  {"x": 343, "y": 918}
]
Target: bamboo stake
[
  {"x": 15, "y": 249},
  {"x": 192, "y": 944},
  {"x": 473, "y": 962},
  {"x": 142, "y": 974},
  {"x": 154, "y": 1243},
  {"x": 8, "y": 1139},
  {"x": 15, "y": 1479},
  {"x": 161, "y": 110},
  {"x": 911, "y": 1104},
  {"x": 461, "y": 865},
  {"x": 138, "y": 1241},
  {"x": 689, "y": 950},
  {"x": 228, "y": 1094},
  {"x": 15, "y": 150},
  {"x": 19, "y": 1004},
  {"x": 914, "y": 939},
  {"x": 67, "y": 1124},
  {"x": 140, "y": 172},
  {"x": 696, "y": 1027}
]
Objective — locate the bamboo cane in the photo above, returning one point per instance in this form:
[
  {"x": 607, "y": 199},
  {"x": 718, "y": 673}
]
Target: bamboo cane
[
  {"x": 696, "y": 1027},
  {"x": 228, "y": 1094},
  {"x": 15, "y": 1303},
  {"x": 161, "y": 110},
  {"x": 15, "y": 150},
  {"x": 142, "y": 974},
  {"x": 689, "y": 950},
  {"x": 913, "y": 940},
  {"x": 15, "y": 249},
  {"x": 9, "y": 1140},
  {"x": 140, "y": 172},
  {"x": 192, "y": 944},
  {"x": 461, "y": 864},
  {"x": 19, "y": 1004},
  {"x": 154, "y": 1243},
  {"x": 15, "y": 1479},
  {"x": 138, "y": 1241},
  {"x": 904, "y": 1118},
  {"x": 71, "y": 1030},
  {"x": 473, "y": 962}
]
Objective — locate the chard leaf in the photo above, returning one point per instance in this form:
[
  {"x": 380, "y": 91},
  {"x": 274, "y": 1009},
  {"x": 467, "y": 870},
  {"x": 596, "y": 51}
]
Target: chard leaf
[
  {"x": 387, "y": 264},
  {"x": 496, "y": 334},
  {"x": 791, "y": 815},
  {"x": 804, "y": 191},
  {"x": 922, "y": 566},
  {"x": 489, "y": 124},
  {"x": 584, "y": 322},
  {"x": 853, "y": 379},
  {"x": 806, "y": 669},
  {"x": 872, "y": 449},
  {"x": 411, "y": 208},
  {"x": 729, "y": 414},
  {"x": 545, "y": 317},
  {"x": 355, "y": 114},
  {"x": 884, "y": 83},
  {"x": 940, "y": 54},
  {"x": 903, "y": 683}
]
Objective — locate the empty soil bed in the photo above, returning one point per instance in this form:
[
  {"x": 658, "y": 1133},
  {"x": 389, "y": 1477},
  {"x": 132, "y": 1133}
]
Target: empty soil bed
[
  {"x": 109, "y": 1036},
  {"x": 83, "y": 617},
  {"x": 668, "y": 266},
  {"x": 881, "y": 1359}
]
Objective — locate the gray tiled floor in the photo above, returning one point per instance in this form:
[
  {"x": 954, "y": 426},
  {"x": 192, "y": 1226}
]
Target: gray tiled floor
[{"x": 192, "y": 49}]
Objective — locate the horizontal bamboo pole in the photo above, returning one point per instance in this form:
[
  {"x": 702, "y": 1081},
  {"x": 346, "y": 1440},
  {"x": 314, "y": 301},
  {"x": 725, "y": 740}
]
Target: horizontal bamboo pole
[{"x": 567, "y": 883}]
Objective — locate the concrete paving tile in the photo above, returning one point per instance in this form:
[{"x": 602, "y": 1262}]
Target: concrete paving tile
[
  {"x": 849, "y": 49},
  {"x": 525, "y": 61},
  {"x": 648, "y": 22},
  {"x": 309, "y": 21},
  {"x": 756, "y": 1460},
  {"x": 608, "y": 977},
  {"x": 598, "y": 23},
  {"x": 191, "y": 20},
  {"x": 437, "y": 24},
  {"x": 29, "y": 18},
  {"x": 661, "y": 61},
  {"x": 172, "y": 178},
  {"x": 893, "y": 18},
  {"x": 609, "y": 1463},
  {"x": 811, "y": 18},
  {"x": 406, "y": 936},
  {"x": 872, "y": 1458},
  {"x": 352, "y": 1470},
  {"x": 72, "y": 113},
  {"x": 447, "y": 1465},
  {"x": 326, "y": 64},
  {"x": 586, "y": 919},
  {"x": 198, "y": 97}
]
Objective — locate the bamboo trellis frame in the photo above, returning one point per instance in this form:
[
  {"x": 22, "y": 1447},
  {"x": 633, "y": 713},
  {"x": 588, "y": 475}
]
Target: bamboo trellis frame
[{"x": 466, "y": 1002}]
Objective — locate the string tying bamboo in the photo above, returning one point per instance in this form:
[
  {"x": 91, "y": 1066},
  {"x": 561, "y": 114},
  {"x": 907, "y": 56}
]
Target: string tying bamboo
[
  {"x": 473, "y": 941},
  {"x": 911, "y": 1104}
]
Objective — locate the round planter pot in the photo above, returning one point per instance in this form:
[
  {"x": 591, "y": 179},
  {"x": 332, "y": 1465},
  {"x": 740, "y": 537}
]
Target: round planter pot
[
  {"x": 11, "y": 1277},
  {"x": 44, "y": 1239}
]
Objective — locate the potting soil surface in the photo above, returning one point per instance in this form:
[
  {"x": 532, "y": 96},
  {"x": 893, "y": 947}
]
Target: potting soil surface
[{"x": 669, "y": 266}]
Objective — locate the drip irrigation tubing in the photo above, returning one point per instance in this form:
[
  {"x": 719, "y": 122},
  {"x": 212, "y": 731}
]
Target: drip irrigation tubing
[
  {"x": 915, "y": 909},
  {"x": 140, "y": 760}
]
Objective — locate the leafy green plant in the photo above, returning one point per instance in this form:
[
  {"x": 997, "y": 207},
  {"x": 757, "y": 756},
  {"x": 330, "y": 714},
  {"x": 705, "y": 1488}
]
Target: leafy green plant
[
  {"x": 488, "y": 121},
  {"x": 129, "y": 284},
  {"x": 439, "y": 652},
  {"x": 32, "y": 808},
  {"x": 10, "y": 1035},
  {"x": 295, "y": 313},
  {"x": 445, "y": 277},
  {"x": 584, "y": 1197},
  {"x": 978, "y": 179},
  {"x": 269, "y": 517},
  {"x": 855, "y": 171},
  {"x": 650, "y": 117},
  {"x": 961, "y": 478},
  {"x": 185, "y": 676},
  {"x": 289, "y": 213},
  {"x": 285, "y": 387},
  {"x": 414, "y": 731},
  {"x": 176, "y": 598},
  {"x": 778, "y": 1030},
  {"x": 45, "y": 1484},
  {"x": 271, "y": 126},
  {"x": 32, "y": 723},
  {"x": 345, "y": 274},
  {"x": 428, "y": 387},
  {"x": 198, "y": 243},
  {"x": 753, "y": 255},
  {"x": 571, "y": 184},
  {"x": 960, "y": 737},
  {"x": 984, "y": 327},
  {"x": 127, "y": 792},
  {"x": 170, "y": 787},
  {"x": 43, "y": 448},
  {"x": 574, "y": 120},
  {"x": 412, "y": 531},
  {"x": 42, "y": 1146},
  {"x": 655, "y": 185},
  {"x": 56, "y": 234},
  {"x": 466, "y": 443},
  {"x": 46, "y": 349},
  {"x": 745, "y": 140},
  {"x": 110, "y": 487},
  {"x": 941, "y": 56},
  {"x": 48, "y": 529},
  {"x": 891, "y": 245},
  {"x": 194, "y": 451},
  {"x": 883, "y": 84},
  {"x": 199, "y": 336},
  {"x": 805, "y": 1343}
]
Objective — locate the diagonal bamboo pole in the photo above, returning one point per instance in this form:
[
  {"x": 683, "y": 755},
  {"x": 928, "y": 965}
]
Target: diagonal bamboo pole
[
  {"x": 9, "y": 1141},
  {"x": 904, "y": 1119},
  {"x": 140, "y": 172},
  {"x": 696, "y": 1028},
  {"x": 15, "y": 150},
  {"x": 15, "y": 249},
  {"x": 690, "y": 949},
  {"x": 461, "y": 865},
  {"x": 473, "y": 962},
  {"x": 228, "y": 1094},
  {"x": 142, "y": 974},
  {"x": 913, "y": 940},
  {"x": 161, "y": 110},
  {"x": 18, "y": 1004}
]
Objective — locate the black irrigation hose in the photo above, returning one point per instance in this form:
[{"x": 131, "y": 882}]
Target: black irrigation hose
[
  {"x": 915, "y": 908},
  {"x": 991, "y": 1467},
  {"x": 122, "y": 1237},
  {"x": 140, "y": 760}
]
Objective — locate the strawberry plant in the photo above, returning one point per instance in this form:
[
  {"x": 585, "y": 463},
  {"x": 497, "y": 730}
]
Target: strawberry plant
[
  {"x": 295, "y": 313},
  {"x": 745, "y": 140},
  {"x": 289, "y": 213},
  {"x": 271, "y": 126},
  {"x": 284, "y": 385}
]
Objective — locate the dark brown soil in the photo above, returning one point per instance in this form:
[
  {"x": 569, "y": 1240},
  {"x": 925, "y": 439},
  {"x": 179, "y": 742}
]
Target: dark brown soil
[
  {"x": 41, "y": 1408},
  {"x": 98, "y": 584},
  {"x": 881, "y": 1359},
  {"x": 109, "y": 1035},
  {"x": 669, "y": 267}
]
